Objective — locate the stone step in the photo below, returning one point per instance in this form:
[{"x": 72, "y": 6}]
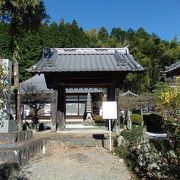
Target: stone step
[
  {"x": 15, "y": 137},
  {"x": 23, "y": 151},
  {"x": 81, "y": 141},
  {"x": 74, "y": 121},
  {"x": 80, "y": 138}
]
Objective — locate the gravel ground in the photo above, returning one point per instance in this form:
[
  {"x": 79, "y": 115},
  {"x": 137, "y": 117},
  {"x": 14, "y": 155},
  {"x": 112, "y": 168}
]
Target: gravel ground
[{"x": 66, "y": 163}]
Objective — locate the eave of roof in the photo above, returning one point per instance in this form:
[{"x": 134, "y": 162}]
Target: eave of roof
[
  {"x": 86, "y": 60},
  {"x": 38, "y": 84},
  {"x": 172, "y": 68}
]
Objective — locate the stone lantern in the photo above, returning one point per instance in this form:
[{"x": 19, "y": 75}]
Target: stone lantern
[{"x": 88, "y": 120}]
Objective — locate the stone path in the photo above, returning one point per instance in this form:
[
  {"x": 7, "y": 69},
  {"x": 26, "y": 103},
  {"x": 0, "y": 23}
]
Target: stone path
[{"x": 67, "y": 163}]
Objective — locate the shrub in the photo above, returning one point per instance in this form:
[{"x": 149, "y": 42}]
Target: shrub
[
  {"x": 136, "y": 119},
  {"x": 129, "y": 150},
  {"x": 98, "y": 119},
  {"x": 132, "y": 135}
]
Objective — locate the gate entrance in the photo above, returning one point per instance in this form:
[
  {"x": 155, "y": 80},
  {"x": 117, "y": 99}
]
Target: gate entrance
[{"x": 83, "y": 68}]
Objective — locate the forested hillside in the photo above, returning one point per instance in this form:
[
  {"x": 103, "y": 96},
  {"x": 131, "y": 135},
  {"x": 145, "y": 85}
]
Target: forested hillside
[{"x": 148, "y": 49}]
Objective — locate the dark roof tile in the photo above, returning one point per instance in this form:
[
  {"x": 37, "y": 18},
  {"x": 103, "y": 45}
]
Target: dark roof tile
[
  {"x": 91, "y": 59},
  {"x": 172, "y": 67}
]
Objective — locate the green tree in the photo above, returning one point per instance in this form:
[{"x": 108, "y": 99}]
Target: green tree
[
  {"x": 118, "y": 34},
  {"x": 103, "y": 34},
  {"x": 22, "y": 16},
  {"x": 93, "y": 37},
  {"x": 30, "y": 51},
  {"x": 4, "y": 40}
]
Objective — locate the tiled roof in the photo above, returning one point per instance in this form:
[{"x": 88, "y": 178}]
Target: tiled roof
[
  {"x": 173, "y": 67},
  {"x": 129, "y": 93},
  {"x": 38, "y": 82},
  {"x": 85, "y": 60}
]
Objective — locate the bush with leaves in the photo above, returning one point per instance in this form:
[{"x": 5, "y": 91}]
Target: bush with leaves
[
  {"x": 132, "y": 152},
  {"x": 168, "y": 106},
  {"x": 137, "y": 119}
]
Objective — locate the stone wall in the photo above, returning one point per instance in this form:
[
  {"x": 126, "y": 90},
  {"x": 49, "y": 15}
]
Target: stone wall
[{"x": 150, "y": 158}]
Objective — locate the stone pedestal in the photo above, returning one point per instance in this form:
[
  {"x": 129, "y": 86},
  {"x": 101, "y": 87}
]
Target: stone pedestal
[
  {"x": 8, "y": 126},
  {"x": 53, "y": 128},
  {"x": 89, "y": 121}
]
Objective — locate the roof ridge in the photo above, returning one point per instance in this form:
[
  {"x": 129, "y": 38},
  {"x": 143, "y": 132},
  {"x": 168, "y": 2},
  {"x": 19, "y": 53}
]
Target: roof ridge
[{"x": 90, "y": 50}]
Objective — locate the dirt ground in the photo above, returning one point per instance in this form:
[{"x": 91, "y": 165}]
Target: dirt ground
[{"x": 67, "y": 163}]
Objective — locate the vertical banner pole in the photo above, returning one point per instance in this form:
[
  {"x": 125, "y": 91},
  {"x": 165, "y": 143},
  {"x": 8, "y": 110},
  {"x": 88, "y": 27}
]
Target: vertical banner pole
[{"x": 110, "y": 148}]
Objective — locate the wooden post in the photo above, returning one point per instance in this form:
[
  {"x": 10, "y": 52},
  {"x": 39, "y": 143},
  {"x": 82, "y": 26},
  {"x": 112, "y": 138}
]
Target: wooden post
[
  {"x": 61, "y": 109},
  {"x": 117, "y": 122},
  {"x": 111, "y": 94},
  {"x": 54, "y": 101}
]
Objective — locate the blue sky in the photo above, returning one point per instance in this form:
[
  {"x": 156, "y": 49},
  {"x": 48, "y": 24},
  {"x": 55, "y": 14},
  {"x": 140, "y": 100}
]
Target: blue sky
[{"x": 161, "y": 17}]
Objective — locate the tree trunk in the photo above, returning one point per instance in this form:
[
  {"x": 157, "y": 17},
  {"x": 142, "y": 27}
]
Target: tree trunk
[{"x": 17, "y": 87}]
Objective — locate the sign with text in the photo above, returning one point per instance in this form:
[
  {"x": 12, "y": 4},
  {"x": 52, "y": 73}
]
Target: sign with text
[
  {"x": 5, "y": 88},
  {"x": 109, "y": 110}
]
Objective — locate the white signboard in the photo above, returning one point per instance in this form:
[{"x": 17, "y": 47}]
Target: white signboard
[{"x": 109, "y": 110}]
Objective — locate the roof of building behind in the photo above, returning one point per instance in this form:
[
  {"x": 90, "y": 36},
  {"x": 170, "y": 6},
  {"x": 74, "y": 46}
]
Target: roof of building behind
[
  {"x": 37, "y": 84},
  {"x": 173, "y": 67},
  {"x": 86, "y": 60},
  {"x": 129, "y": 93}
]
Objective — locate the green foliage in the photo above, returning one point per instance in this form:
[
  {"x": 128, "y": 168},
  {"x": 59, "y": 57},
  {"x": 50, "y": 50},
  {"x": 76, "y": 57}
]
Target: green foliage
[
  {"x": 122, "y": 151},
  {"x": 142, "y": 85},
  {"x": 103, "y": 34},
  {"x": 154, "y": 158},
  {"x": 4, "y": 40},
  {"x": 22, "y": 16},
  {"x": 137, "y": 119},
  {"x": 169, "y": 152},
  {"x": 168, "y": 105},
  {"x": 160, "y": 87},
  {"x": 132, "y": 136},
  {"x": 148, "y": 49},
  {"x": 129, "y": 149}
]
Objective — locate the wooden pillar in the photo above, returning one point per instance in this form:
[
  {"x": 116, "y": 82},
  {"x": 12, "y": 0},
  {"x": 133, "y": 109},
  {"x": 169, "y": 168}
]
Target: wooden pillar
[
  {"x": 54, "y": 110},
  {"x": 117, "y": 123},
  {"x": 61, "y": 109},
  {"x": 111, "y": 95}
]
